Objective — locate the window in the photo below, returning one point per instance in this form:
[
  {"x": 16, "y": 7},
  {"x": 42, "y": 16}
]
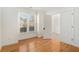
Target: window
[
  {"x": 31, "y": 24},
  {"x": 23, "y": 24},
  {"x": 26, "y": 22}
]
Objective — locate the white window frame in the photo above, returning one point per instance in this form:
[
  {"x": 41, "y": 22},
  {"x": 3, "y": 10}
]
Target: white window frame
[{"x": 19, "y": 15}]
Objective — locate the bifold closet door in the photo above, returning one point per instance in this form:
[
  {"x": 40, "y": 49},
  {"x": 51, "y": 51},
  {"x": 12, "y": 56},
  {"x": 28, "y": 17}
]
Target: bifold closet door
[
  {"x": 66, "y": 26},
  {"x": 0, "y": 27},
  {"x": 76, "y": 26}
]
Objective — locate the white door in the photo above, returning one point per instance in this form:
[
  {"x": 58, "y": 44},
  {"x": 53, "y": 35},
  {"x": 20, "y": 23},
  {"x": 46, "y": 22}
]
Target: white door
[
  {"x": 0, "y": 27},
  {"x": 76, "y": 26},
  {"x": 66, "y": 26},
  {"x": 47, "y": 26}
]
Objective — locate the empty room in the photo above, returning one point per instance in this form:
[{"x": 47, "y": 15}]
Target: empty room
[{"x": 39, "y": 29}]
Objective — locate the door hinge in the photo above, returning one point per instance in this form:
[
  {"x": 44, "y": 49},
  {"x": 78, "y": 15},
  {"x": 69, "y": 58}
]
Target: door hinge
[
  {"x": 72, "y": 26},
  {"x": 72, "y": 13},
  {"x": 72, "y": 39}
]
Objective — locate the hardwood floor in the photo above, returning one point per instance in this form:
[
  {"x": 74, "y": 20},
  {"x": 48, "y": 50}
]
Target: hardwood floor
[
  {"x": 10, "y": 48},
  {"x": 36, "y": 44},
  {"x": 46, "y": 45}
]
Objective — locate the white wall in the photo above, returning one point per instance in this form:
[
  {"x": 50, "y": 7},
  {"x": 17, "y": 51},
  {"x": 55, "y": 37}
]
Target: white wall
[
  {"x": 10, "y": 26},
  {"x": 0, "y": 27}
]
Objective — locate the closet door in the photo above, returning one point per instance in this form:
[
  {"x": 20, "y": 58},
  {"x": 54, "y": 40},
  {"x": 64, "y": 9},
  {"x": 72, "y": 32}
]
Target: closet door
[
  {"x": 66, "y": 26},
  {"x": 0, "y": 27},
  {"x": 76, "y": 26},
  {"x": 47, "y": 26}
]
